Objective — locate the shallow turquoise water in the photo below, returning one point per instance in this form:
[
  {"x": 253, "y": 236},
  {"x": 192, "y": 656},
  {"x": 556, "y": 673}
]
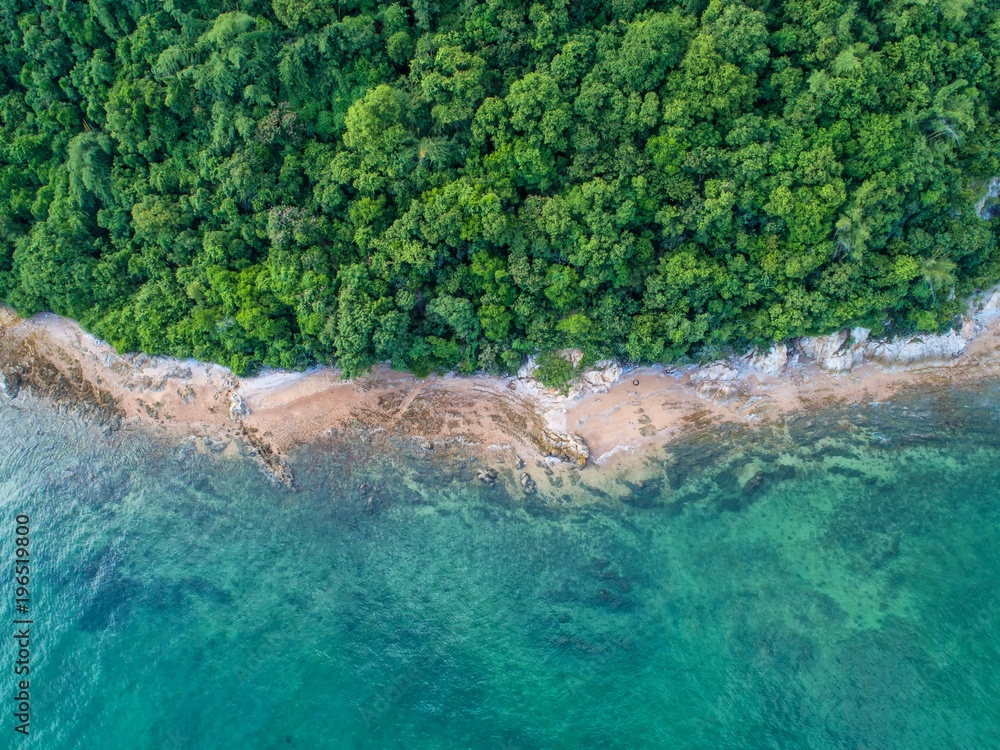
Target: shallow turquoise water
[{"x": 846, "y": 597}]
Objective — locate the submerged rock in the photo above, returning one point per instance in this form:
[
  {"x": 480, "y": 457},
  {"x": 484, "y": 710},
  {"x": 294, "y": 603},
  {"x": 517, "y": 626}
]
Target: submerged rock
[
  {"x": 528, "y": 484},
  {"x": 216, "y": 444},
  {"x": 270, "y": 463},
  {"x": 10, "y": 383},
  {"x": 487, "y": 477},
  {"x": 754, "y": 483}
]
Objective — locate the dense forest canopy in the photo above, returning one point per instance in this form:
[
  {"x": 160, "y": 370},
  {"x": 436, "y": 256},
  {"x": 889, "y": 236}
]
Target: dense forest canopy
[{"x": 446, "y": 183}]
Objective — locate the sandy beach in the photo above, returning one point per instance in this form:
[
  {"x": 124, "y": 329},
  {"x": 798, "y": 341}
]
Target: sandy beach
[{"x": 506, "y": 423}]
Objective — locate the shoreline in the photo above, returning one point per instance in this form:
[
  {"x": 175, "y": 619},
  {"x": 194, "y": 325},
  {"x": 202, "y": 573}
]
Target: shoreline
[{"x": 513, "y": 426}]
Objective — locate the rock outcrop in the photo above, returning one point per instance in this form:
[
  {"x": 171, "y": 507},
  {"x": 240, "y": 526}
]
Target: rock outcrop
[
  {"x": 597, "y": 379},
  {"x": 773, "y": 362},
  {"x": 238, "y": 408},
  {"x": 988, "y": 302},
  {"x": 527, "y": 370},
  {"x": 27, "y": 367},
  {"x": 717, "y": 372},
  {"x": 270, "y": 463},
  {"x": 561, "y": 445},
  {"x": 841, "y": 352},
  {"x": 718, "y": 382},
  {"x": 837, "y": 352},
  {"x": 917, "y": 351},
  {"x": 601, "y": 377}
]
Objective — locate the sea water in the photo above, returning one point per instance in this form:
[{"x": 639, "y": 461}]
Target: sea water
[{"x": 829, "y": 582}]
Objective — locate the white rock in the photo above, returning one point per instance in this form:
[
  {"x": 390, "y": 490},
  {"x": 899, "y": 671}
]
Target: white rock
[
  {"x": 822, "y": 348},
  {"x": 838, "y": 352},
  {"x": 718, "y": 372},
  {"x": 573, "y": 356},
  {"x": 564, "y": 446},
  {"x": 987, "y": 302},
  {"x": 773, "y": 363},
  {"x": 916, "y": 351},
  {"x": 238, "y": 408},
  {"x": 604, "y": 375},
  {"x": 527, "y": 369}
]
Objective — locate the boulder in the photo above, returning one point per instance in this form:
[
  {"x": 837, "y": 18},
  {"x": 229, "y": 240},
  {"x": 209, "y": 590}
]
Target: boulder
[
  {"x": 820, "y": 348},
  {"x": 603, "y": 375},
  {"x": 773, "y": 362},
  {"x": 528, "y": 484},
  {"x": 717, "y": 372},
  {"x": 561, "y": 445},
  {"x": 906, "y": 353},
  {"x": 837, "y": 352},
  {"x": 238, "y": 408}
]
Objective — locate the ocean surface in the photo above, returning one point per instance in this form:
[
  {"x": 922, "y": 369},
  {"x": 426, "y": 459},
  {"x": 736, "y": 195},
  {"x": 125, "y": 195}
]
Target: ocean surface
[{"x": 833, "y": 582}]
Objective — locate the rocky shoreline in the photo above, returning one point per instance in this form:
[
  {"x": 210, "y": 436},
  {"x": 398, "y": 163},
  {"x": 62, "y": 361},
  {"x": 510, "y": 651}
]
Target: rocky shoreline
[
  {"x": 915, "y": 359},
  {"x": 611, "y": 413}
]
